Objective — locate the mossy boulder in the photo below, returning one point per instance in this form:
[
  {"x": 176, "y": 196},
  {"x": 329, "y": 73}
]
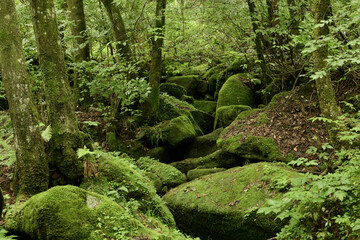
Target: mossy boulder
[
  {"x": 214, "y": 206},
  {"x": 206, "y": 106},
  {"x": 227, "y": 114},
  {"x": 173, "y": 89},
  {"x": 190, "y": 83},
  {"x": 238, "y": 65},
  {"x": 198, "y": 70},
  {"x": 213, "y": 75},
  {"x": 196, "y": 173},
  {"x": 203, "y": 145},
  {"x": 218, "y": 159},
  {"x": 251, "y": 147},
  {"x": 120, "y": 178},
  {"x": 168, "y": 175},
  {"x": 71, "y": 213},
  {"x": 116, "y": 143},
  {"x": 204, "y": 120},
  {"x": 235, "y": 92}
]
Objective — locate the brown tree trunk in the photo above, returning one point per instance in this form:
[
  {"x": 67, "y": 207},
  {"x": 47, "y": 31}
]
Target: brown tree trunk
[
  {"x": 325, "y": 90},
  {"x": 151, "y": 108},
  {"x": 32, "y": 173},
  {"x": 66, "y": 137}
]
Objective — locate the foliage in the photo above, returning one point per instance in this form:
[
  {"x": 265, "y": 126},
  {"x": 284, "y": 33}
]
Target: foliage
[
  {"x": 323, "y": 206},
  {"x": 5, "y": 236}
]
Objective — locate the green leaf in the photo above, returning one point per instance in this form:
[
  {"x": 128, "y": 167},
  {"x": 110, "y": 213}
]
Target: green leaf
[
  {"x": 83, "y": 151},
  {"x": 46, "y": 134}
]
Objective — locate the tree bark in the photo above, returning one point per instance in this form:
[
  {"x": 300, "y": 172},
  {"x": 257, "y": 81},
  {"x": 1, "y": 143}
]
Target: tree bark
[
  {"x": 118, "y": 29},
  {"x": 325, "y": 90},
  {"x": 66, "y": 137},
  {"x": 32, "y": 173},
  {"x": 151, "y": 108}
]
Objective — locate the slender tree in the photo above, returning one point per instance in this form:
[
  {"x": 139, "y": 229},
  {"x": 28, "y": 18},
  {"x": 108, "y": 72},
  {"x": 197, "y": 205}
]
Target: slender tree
[
  {"x": 66, "y": 137},
  {"x": 150, "y": 110},
  {"x": 325, "y": 90},
  {"x": 118, "y": 29},
  {"x": 31, "y": 174}
]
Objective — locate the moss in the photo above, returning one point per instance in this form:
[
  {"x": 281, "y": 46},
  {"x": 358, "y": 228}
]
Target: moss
[
  {"x": 198, "y": 70},
  {"x": 196, "y": 173},
  {"x": 131, "y": 147},
  {"x": 204, "y": 145},
  {"x": 252, "y": 148},
  {"x": 245, "y": 114},
  {"x": 238, "y": 65},
  {"x": 203, "y": 120},
  {"x": 206, "y": 106},
  {"x": 202, "y": 89},
  {"x": 235, "y": 92},
  {"x": 71, "y": 213},
  {"x": 218, "y": 159},
  {"x": 168, "y": 175},
  {"x": 227, "y": 114},
  {"x": 120, "y": 175},
  {"x": 173, "y": 89},
  {"x": 214, "y": 206},
  {"x": 190, "y": 83}
]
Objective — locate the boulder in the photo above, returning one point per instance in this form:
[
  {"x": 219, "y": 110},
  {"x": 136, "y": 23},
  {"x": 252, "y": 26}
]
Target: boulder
[
  {"x": 119, "y": 178},
  {"x": 190, "y": 83},
  {"x": 227, "y": 114},
  {"x": 198, "y": 70},
  {"x": 72, "y": 213},
  {"x": 168, "y": 175},
  {"x": 173, "y": 89},
  {"x": 204, "y": 120},
  {"x": 218, "y": 159},
  {"x": 235, "y": 92},
  {"x": 218, "y": 206},
  {"x": 206, "y": 106},
  {"x": 196, "y": 173}
]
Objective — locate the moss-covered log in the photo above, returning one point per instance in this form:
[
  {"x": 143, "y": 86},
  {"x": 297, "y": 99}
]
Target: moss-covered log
[{"x": 31, "y": 174}]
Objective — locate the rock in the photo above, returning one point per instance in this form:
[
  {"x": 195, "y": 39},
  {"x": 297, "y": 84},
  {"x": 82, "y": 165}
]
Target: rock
[
  {"x": 218, "y": 159},
  {"x": 238, "y": 65},
  {"x": 196, "y": 173},
  {"x": 206, "y": 106},
  {"x": 120, "y": 178},
  {"x": 173, "y": 89},
  {"x": 214, "y": 206},
  {"x": 204, "y": 121},
  {"x": 198, "y": 70},
  {"x": 235, "y": 92},
  {"x": 71, "y": 213},
  {"x": 190, "y": 83},
  {"x": 168, "y": 175},
  {"x": 251, "y": 147},
  {"x": 204, "y": 145},
  {"x": 227, "y": 114},
  {"x": 213, "y": 75}
]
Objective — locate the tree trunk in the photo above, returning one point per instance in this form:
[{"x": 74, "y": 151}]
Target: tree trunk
[
  {"x": 258, "y": 45},
  {"x": 151, "y": 108},
  {"x": 31, "y": 174},
  {"x": 66, "y": 137},
  {"x": 325, "y": 90},
  {"x": 118, "y": 29},
  {"x": 78, "y": 30}
]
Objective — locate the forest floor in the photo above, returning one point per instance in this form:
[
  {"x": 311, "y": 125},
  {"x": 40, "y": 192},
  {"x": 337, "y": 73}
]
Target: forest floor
[{"x": 289, "y": 124}]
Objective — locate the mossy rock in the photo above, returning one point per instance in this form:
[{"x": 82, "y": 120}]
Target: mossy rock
[
  {"x": 198, "y": 70},
  {"x": 131, "y": 147},
  {"x": 196, "y": 173},
  {"x": 251, "y": 147},
  {"x": 214, "y": 206},
  {"x": 238, "y": 65},
  {"x": 206, "y": 106},
  {"x": 121, "y": 178},
  {"x": 218, "y": 159},
  {"x": 204, "y": 120},
  {"x": 160, "y": 153},
  {"x": 173, "y": 89},
  {"x": 202, "y": 89},
  {"x": 203, "y": 145},
  {"x": 235, "y": 92},
  {"x": 213, "y": 75},
  {"x": 190, "y": 83},
  {"x": 227, "y": 114},
  {"x": 168, "y": 175},
  {"x": 71, "y": 213}
]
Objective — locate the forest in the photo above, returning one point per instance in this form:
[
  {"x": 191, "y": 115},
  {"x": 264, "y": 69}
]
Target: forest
[{"x": 179, "y": 119}]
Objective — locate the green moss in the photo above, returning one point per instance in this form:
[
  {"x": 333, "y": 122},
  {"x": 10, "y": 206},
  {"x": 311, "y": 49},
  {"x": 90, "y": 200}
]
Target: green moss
[
  {"x": 198, "y": 70},
  {"x": 235, "y": 92},
  {"x": 119, "y": 177},
  {"x": 195, "y": 173},
  {"x": 214, "y": 206},
  {"x": 218, "y": 159},
  {"x": 168, "y": 175},
  {"x": 204, "y": 145},
  {"x": 206, "y": 106},
  {"x": 173, "y": 89},
  {"x": 190, "y": 82},
  {"x": 245, "y": 114},
  {"x": 238, "y": 65},
  {"x": 252, "y": 147},
  {"x": 203, "y": 120},
  {"x": 71, "y": 213},
  {"x": 227, "y": 114}
]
